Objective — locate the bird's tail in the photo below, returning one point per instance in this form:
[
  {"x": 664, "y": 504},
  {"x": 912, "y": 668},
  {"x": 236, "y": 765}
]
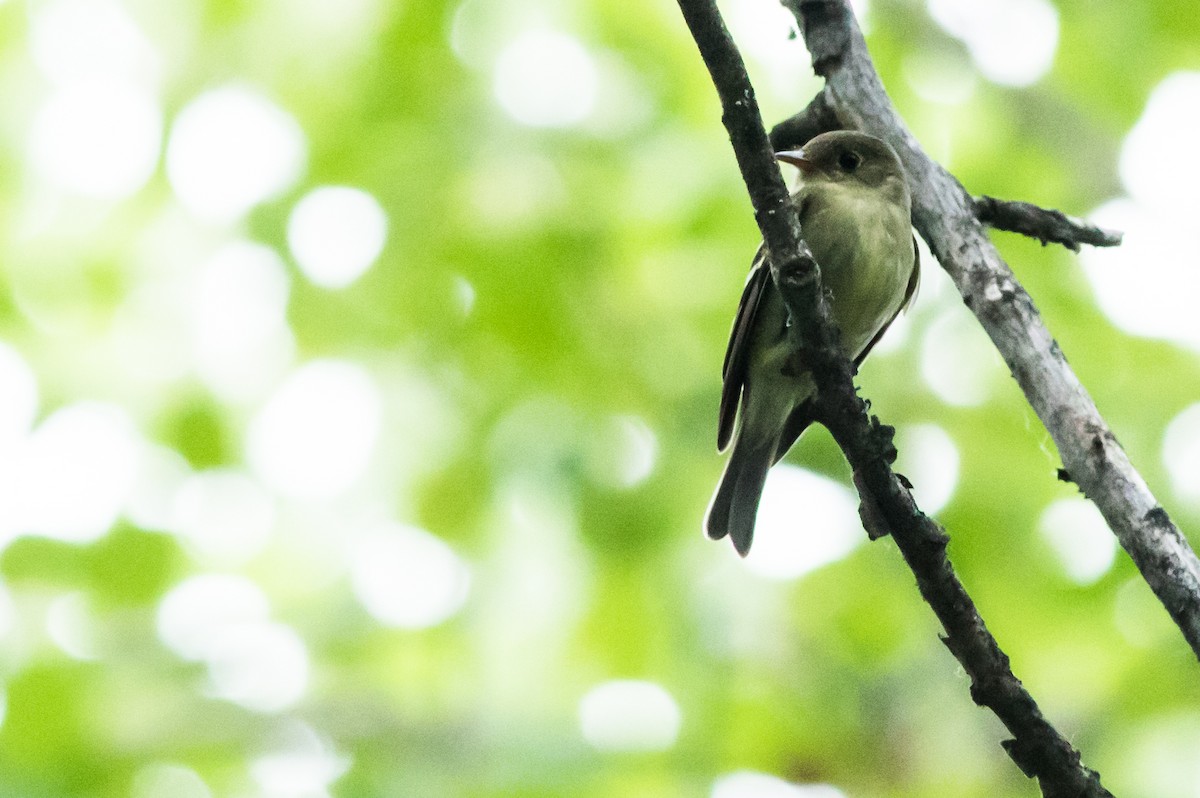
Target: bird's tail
[{"x": 735, "y": 505}]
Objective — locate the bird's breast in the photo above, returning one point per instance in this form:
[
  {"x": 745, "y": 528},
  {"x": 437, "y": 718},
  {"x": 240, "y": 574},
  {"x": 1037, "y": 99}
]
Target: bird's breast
[{"x": 863, "y": 244}]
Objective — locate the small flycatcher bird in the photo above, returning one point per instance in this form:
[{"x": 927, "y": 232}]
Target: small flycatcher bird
[{"x": 854, "y": 210}]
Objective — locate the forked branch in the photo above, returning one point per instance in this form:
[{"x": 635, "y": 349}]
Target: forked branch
[
  {"x": 947, "y": 217},
  {"x": 1037, "y": 747}
]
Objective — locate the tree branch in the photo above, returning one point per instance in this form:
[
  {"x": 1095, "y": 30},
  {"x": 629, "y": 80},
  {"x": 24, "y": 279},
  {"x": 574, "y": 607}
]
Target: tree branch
[
  {"x": 794, "y": 132},
  {"x": 1037, "y": 748},
  {"x": 1046, "y": 225},
  {"x": 945, "y": 216}
]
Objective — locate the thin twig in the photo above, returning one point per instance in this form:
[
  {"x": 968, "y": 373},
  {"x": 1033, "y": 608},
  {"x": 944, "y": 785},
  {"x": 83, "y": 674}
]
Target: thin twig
[
  {"x": 945, "y": 216},
  {"x": 1045, "y": 224},
  {"x": 1037, "y": 748}
]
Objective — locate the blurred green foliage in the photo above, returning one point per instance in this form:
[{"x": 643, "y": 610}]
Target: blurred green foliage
[{"x": 544, "y": 327}]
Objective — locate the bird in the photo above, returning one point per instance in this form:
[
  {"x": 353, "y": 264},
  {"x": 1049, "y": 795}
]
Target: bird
[{"x": 855, "y": 213}]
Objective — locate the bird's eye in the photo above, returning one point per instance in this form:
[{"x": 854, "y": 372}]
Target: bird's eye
[{"x": 849, "y": 160}]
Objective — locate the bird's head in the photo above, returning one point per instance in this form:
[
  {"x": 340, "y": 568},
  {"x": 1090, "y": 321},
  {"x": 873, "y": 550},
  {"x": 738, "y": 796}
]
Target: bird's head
[{"x": 846, "y": 156}]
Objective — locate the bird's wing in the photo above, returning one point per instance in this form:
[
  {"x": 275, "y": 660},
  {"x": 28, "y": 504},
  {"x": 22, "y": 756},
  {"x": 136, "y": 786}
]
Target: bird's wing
[
  {"x": 733, "y": 371},
  {"x": 909, "y": 294}
]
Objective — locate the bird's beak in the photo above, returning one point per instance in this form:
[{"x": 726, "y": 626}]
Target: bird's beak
[{"x": 796, "y": 158}]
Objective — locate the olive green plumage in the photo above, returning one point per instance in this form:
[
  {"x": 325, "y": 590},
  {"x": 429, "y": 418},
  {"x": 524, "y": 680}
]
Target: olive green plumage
[{"x": 854, "y": 208}]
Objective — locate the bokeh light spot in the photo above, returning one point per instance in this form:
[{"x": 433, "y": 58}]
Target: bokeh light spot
[
  {"x": 194, "y": 615},
  {"x": 1171, "y": 114},
  {"x": 335, "y": 234},
  {"x": 623, "y": 452},
  {"x": 230, "y": 149},
  {"x": 1157, "y": 220},
  {"x": 223, "y": 621},
  {"x": 164, "y": 780},
  {"x": 532, "y": 603},
  {"x": 1012, "y": 42},
  {"x": 1080, "y": 539},
  {"x": 1161, "y": 752},
  {"x": 629, "y": 715},
  {"x": 748, "y": 784},
  {"x": 98, "y": 138},
  {"x": 804, "y": 521},
  {"x": 1160, "y": 303},
  {"x": 929, "y": 458},
  {"x": 546, "y": 79},
  {"x": 241, "y": 340},
  {"x": 75, "y": 40},
  {"x": 958, "y": 362},
  {"x": 18, "y": 400},
  {"x": 407, "y": 577},
  {"x": 302, "y": 764},
  {"x": 512, "y": 192},
  {"x": 8, "y": 612},
  {"x": 70, "y": 624},
  {"x": 316, "y": 435},
  {"x": 160, "y": 473},
  {"x": 224, "y": 516},
  {"x": 464, "y": 295},
  {"x": 940, "y": 78},
  {"x": 331, "y": 36},
  {"x": 1181, "y": 453},
  {"x": 260, "y": 666},
  {"x": 766, "y": 31},
  {"x": 75, "y": 472}
]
